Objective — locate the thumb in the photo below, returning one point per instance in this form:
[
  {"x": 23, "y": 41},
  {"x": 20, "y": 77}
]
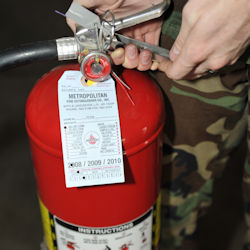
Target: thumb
[{"x": 71, "y": 24}]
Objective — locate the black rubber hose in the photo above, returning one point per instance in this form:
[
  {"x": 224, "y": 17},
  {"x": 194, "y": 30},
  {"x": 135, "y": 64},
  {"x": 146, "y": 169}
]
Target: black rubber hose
[{"x": 28, "y": 53}]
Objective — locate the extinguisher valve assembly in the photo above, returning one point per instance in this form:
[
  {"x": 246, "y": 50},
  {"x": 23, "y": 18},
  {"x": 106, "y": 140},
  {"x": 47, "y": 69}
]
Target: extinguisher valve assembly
[{"x": 94, "y": 38}]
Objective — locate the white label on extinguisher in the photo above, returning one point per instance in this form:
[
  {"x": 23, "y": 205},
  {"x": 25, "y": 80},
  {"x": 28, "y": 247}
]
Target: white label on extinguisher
[
  {"x": 134, "y": 235},
  {"x": 90, "y": 131}
]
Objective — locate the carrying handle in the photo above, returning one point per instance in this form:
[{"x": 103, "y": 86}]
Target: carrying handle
[{"x": 143, "y": 16}]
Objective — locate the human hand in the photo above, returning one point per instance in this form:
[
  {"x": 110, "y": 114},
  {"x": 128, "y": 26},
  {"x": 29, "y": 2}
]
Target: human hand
[
  {"x": 129, "y": 57},
  {"x": 98, "y": 5},
  {"x": 148, "y": 32},
  {"x": 120, "y": 8},
  {"x": 214, "y": 33}
]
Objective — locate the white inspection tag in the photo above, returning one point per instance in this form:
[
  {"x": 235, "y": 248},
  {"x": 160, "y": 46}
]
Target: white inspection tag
[{"x": 90, "y": 131}]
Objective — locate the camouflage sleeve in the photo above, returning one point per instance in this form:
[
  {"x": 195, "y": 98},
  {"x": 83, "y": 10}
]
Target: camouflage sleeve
[
  {"x": 206, "y": 120},
  {"x": 246, "y": 178},
  {"x": 172, "y": 24}
]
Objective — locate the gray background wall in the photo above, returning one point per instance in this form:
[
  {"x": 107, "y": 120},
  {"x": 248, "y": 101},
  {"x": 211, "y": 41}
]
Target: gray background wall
[{"x": 21, "y": 22}]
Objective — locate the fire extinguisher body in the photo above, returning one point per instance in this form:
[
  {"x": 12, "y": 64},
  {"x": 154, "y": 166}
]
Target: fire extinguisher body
[{"x": 97, "y": 211}]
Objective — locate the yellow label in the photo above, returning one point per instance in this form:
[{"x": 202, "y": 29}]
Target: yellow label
[
  {"x": 156, "y": 222},
  {"x": 48, "y": 227}
]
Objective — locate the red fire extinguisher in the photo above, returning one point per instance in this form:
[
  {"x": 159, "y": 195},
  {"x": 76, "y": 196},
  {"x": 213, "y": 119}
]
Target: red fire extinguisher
[{"x": 116, "y": 216}]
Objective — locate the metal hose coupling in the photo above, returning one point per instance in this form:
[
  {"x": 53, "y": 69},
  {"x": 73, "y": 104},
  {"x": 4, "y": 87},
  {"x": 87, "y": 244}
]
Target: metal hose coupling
[{"x": 67, "y": 48}]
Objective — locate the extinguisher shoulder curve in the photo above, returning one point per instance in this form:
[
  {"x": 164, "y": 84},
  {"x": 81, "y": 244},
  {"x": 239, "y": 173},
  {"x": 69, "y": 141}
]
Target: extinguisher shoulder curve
[
  {"x": 141, "y": 122},
  {"x": 145, "y": 119}
]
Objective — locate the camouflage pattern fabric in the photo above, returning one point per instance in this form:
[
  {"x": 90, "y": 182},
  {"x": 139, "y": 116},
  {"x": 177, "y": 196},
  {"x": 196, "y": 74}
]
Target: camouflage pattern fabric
[
  {"x": 246, "y": 178},
  {"x": 206, "y": 120}
]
